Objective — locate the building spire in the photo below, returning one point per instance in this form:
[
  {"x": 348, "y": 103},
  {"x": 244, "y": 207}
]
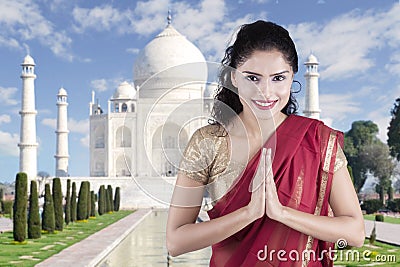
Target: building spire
[{"x": 169, "y": 17}]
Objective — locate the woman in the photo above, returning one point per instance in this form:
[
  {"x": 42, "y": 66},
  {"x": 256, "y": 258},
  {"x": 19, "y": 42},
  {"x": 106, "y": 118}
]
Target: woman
[{"x": 266, "y": 212}]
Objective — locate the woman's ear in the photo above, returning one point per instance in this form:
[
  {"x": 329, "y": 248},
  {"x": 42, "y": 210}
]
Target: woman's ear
[{"x": 233, "y": 78}]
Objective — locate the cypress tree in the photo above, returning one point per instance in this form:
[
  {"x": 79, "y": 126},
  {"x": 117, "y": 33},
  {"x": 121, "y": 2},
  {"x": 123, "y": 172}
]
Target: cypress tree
[
  {"x": 82, "y": 203},
  {"x": 117, "y": 199},
  {"x": 73, "y": 203},
  {"x": 68, "y": 203},
  {"x": 48, "y": 217},
  {"x": 58, "y": 206},
  {"x": 33, "y": 215},
  {"x": 20, "y": 206},
  {"x": 1, "y": 198},
  {"x": 101, "y": 200},
  {"x": 93, "y": 204},
  {"x": 110, "y": 199},
  {"x": 89, "y": 200}
]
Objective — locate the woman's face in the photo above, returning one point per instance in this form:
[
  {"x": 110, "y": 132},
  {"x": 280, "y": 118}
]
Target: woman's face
[{"x": 263, "y": 81}]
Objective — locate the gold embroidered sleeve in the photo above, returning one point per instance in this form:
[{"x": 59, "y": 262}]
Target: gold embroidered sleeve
[
  {"x": 340, "y": 160},
  {"x": 198, "y": 157}
]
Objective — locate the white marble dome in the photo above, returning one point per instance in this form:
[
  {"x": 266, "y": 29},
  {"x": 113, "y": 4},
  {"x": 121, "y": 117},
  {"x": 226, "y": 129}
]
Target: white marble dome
[
  {"x": 124, "y": 91},
  {"x": 28, "y": 60},
  {"x": 62, "y": 92},
  {"x": 311, "y": 59},
  {"x": 168, "y": 58}
]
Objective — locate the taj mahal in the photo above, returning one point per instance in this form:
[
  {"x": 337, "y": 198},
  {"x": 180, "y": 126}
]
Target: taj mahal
[{"x": 138, "y": 136}]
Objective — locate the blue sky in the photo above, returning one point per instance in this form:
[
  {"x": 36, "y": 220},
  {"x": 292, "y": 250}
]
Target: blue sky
[{"x": 92, "y": 45}]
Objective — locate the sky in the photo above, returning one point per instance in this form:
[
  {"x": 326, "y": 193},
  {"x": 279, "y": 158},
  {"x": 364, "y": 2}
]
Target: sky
[{"x": 86, "y": 46}]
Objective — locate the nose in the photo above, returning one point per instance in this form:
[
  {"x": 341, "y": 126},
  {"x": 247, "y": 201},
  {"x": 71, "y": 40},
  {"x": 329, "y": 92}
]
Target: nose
[{"x": 265, "y": 89}]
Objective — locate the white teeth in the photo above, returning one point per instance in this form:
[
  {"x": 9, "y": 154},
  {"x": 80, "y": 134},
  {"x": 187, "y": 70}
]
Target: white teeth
[{"x": 264, "y": 104}]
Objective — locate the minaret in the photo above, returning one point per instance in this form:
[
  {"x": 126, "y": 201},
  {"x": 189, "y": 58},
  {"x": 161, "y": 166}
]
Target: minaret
[
  {"x": 62, "y": 135},
  {"x": 28, "y": 145},
  {"x": 312, "y": 96}
]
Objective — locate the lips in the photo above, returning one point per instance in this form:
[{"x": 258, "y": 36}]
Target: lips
[{"x": 264, "y": 105}]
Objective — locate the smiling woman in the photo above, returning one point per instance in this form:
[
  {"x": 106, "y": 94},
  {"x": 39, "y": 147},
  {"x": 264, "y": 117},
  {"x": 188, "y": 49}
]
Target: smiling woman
[{"x": 275, "y": 179}]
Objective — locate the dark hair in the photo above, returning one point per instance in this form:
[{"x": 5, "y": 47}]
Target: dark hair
[{"x": 260, "y": 35}]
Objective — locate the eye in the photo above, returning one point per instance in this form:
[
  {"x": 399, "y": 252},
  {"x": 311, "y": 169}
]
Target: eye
[
  {"x": 252, "y": 78},
  {"x": 278, "y": 78}
]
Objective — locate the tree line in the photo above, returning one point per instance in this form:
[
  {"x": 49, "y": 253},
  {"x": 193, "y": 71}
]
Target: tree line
[
  {"x": 27, "y": 221},
  {"x": 367, "y": 154}
]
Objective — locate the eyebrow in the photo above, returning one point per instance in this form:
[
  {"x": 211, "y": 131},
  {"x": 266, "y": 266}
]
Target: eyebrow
[{"x": 255, "y": 73}]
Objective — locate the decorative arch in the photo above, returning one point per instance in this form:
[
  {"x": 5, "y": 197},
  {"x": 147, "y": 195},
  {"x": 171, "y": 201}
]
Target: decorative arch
[
  {"x": 167, "y": 143},
  {"x": 123, "y": 137},
  {"x": 123, "y": 166},
  {"x": 124, "y": 107},
  {"x": 99, "y": 134}
]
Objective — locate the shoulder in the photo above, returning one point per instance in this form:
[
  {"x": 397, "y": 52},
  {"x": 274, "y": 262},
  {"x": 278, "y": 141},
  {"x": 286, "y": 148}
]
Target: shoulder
[{"x": 210, "y": 131}]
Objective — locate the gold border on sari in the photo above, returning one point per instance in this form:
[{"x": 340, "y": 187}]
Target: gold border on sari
[{"x": 322, "y": 191}]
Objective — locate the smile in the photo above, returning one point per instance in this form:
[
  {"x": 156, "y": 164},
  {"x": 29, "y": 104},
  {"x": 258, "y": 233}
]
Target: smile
[{"x": 264, "y": 105}]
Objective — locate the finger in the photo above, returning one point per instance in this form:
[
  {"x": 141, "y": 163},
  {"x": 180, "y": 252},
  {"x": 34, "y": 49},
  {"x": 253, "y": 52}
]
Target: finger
[{"x": 259, "y": 177}]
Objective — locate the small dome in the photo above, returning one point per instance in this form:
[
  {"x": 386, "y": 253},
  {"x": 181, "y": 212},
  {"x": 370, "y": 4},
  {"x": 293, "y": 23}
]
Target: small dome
[
  {"x": 62, "y": 92},
  {"x": 168, "y": 49},
  {"x": 124, "y": 91},
  {"x": 28, "y": 60},
  {"x": 312, "y": 59}
]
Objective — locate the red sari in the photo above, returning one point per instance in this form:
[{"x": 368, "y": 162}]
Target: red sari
[{"x": 303, "y": 164}]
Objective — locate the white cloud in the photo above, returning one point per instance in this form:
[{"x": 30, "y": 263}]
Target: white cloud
[
  {"x": 74, "y": 126},
  {"x": 16, "y": 28},
  {"x": 8, "y": 144},
  {"x": 7, "y": 96},
  {"x": 133, "y": 51},
  {"x": 344, "y": 44},
  {"x": 102, "y": 85},
  {"x": 394, "y": 65},
  {"x": 85, "y": 141},
  {"x": 5, "y": 119},
  {"x": 337, "y": 107}
]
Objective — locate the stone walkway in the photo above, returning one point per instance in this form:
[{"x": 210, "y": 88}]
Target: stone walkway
[
  {"x": 385, "y": 232},
  {"x": 5, "y": 225},
  {"x": 91, "y": 250}
]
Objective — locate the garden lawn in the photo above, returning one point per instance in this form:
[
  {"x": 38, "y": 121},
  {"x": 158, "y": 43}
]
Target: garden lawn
[
  {"x": 37, "y": 250},
  {"x": 387, "y": 219},
  {"x": 378, "y": 254}
]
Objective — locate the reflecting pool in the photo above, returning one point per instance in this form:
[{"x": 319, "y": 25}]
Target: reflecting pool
[{"x": 145, "y": 246}]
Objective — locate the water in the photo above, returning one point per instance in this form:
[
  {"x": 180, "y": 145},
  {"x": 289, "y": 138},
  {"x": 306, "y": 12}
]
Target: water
[{"x": 145, "y": 246}]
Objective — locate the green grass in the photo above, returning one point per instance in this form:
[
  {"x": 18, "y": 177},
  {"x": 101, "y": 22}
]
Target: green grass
[
  {"x": 387, "y": 219},
  {"x": 37, "y": 250},
  {"x": 379, "y": 254}
]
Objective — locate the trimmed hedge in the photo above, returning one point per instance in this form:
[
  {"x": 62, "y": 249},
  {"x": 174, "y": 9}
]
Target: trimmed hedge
[
  {"x": 394, "y": 205},
  {"x": 7, "y": 206},
  {"x": 93, "y": 204},
  {"x": 34, "y": 226},
  {"x": 117, "y": 199},
  {"x": 88, "y": 201},
  {"x": 110, "y": 202},
  {"x": 102, "y": 200},
  {"x": 82, "y": 202},
  {"x": 20, "y": 207},
  {"x": 379, "y": 217},
  {"x": 68, "y": 203},
  {"x": 73, "y": 203},
  {"x": 48, "y": 217},
  {"x": 371, "y": 205},
  {"x": 58, "y": 205}
]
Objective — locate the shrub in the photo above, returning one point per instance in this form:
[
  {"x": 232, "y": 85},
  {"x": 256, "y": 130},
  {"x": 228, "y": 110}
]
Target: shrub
[
  {"x": 379, "y": 217},
  {"x": 93, "y": 204},
  {"x": 117, "y": 199},
  {"x": 394, "y": 205},
  {"x": 102, "y": 200},
  {"x": 7, "y": 206},
  {"x": 73, "y": 203},
  {"x": 68, "y": 203},
  {"x": 58, "y": 205},
  {"x": 110, "y": 202},
  {"x": 372, "y": 205},
  {"x": 1, "y": 198},
  {"x": 82, "y": 202},
  {"x": 20, "y": 207},
  {"x": 33, "y": 215},
  {"x": 88, "y": 201},
  {"x": 48, "y": 217}
]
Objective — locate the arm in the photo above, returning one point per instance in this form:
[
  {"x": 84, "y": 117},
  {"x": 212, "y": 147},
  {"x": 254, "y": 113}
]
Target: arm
[
  {"x": 347, "y": 224},
  {"x": 185, "y": 235}
]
